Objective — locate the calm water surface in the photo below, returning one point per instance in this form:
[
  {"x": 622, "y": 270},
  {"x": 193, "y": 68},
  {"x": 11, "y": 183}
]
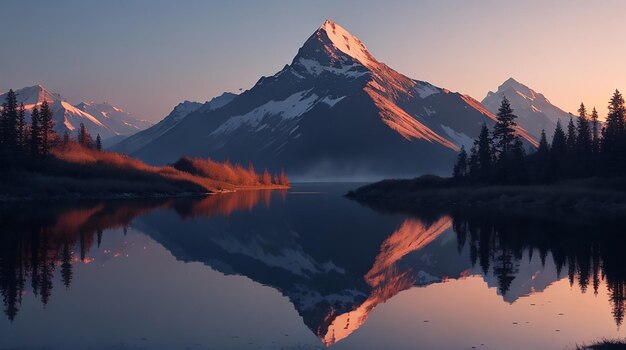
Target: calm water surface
[{"x": 304, "y": 269}]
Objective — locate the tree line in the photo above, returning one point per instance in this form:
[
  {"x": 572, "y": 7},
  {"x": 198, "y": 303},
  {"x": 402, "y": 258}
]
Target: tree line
[
  {"x": 19, "y": 138},
  {"x": 586, "y": 148}
]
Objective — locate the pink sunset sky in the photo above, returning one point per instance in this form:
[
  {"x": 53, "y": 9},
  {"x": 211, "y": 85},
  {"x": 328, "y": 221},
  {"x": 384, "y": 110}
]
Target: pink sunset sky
[{"x": 147, "y": 56}]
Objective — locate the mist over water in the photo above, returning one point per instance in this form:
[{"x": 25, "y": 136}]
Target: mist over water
[{"x": 302, "y": 269}]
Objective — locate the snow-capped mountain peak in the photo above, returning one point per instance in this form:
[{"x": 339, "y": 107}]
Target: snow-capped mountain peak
[
  {"x": 345, "y": 42},
  {"x": 334, "y": 112},
  {"x": 535, "y": 112},
  {"x": 36, "y": 94},
  {"x": 117, "y": 120},
  {"x": 99, "y": 118},
  {"x": 513, "y": 87}
]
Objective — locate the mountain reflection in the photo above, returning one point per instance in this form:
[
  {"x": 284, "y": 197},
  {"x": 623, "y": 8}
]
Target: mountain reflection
[
  {"x": 37, "y": 239},
  {"x": 386, "y": 278},
  {"x": 333, "y": 264}
]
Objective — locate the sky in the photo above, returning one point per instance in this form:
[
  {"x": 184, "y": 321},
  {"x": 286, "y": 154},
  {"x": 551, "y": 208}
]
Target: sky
[{"x": 146, "y": 56}]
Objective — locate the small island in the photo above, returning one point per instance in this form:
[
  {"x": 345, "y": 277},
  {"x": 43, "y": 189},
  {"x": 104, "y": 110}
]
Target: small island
[
  {"x": 583, "y": 169},
  {"x": 38, "y": 164}
]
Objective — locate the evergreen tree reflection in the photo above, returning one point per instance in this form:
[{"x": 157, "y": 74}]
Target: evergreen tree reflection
[{"x": 590, "y": 253}]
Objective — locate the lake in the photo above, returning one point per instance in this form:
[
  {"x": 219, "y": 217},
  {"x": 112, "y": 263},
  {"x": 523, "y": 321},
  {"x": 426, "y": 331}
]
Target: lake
[{"x": 303, "y": 269}]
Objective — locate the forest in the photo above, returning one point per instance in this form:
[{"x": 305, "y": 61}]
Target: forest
[{"x": 586, "y": 148}]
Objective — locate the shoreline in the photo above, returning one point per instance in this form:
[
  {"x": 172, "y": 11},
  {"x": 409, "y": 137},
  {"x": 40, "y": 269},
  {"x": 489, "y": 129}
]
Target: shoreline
[
  {"x": 572, "y": 197},
  {"x": 6, "y": 198}
]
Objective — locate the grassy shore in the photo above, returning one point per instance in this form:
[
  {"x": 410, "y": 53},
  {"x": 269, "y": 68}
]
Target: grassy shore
[
  {"x": 595, "y": 194},
  {"x": 79, "y": 172}
]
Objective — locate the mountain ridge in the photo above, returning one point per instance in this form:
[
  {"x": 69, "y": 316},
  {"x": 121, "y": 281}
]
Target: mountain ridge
[
  {"x": 99, "y": 118},
  {"x": 335, "y": 112},
  {"x": 535, "y": 112}
]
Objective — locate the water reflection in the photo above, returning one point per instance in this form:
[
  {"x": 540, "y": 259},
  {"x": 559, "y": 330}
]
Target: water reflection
[
  {"x": 387, "y": 277},
  {"x": 334, "y": 264},
  {"x": 587, "y": 251},
  {"x": 39, "y": 239}
]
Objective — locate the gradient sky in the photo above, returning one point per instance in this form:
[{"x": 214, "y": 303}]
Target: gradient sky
[{"x": 147, "y": 55}]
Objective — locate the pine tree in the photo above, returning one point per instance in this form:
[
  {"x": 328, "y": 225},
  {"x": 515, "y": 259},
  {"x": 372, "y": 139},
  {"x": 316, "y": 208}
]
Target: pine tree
[
  {"x": 543, "y": 151},
  {"x": 35, "y": 132},
  {"x": 66, "y": 266},
  {"x": 542, "y": 157},
  {"x": 571, "y": 136},
  {"x": 504, "y": 130},
  {"x": 66, "y": 138},
  {"x": 47, "y": 126},
  {"x": 518, "y": 170},
  {"x": 8, "y": 123},
  {"x": 595, "y": 131},
  {"x": 617, "y": 112},
  {"x": 613, "y": 135},
  {"x": 584, "y": 143},
  {"x": 485, "y": 157},
  {"x": 558, "y": 152},
  {"x": 460, "y": 167},
  {"x": 98, "y": 143},
  {"x": 84, "y": 138},
  {"x": 544, "y": 148},
  {"x": 21, "y": 127},
  {"x": 473, "y": 166},
  {"x": 583, "y": 130}
]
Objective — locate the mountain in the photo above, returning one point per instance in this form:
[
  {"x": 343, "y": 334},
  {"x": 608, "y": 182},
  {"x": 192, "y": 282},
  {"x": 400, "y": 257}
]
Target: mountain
[
  {"x": 535, "y": 112},
  {"x": 143, "y": 138},
  {"x": 333, "y": 280},
  {"x": 99, "y": 118},
  {"x": 122, "y": 122},
  {"x": 335, "y": 112}
]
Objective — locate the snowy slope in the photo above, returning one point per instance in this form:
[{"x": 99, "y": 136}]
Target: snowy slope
[
  {"x": 141, "y": 139},
  {"x": 335, "y": 112},
  {"x": 535, "y": 112},
  {"x": 122, "y": 122},
  {"x": 104, "y": 119}
]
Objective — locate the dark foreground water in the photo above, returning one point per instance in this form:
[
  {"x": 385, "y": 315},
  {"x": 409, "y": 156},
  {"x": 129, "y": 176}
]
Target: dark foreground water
[{"x": 304, "y": 269}]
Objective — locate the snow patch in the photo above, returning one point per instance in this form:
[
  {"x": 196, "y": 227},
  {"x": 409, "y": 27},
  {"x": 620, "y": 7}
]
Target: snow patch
[
  {"x": 315, "y": 68},
  {"x": 424, "y": 90},
  {"x": 67, "y": 108},
  {"x": 429, "y": 111},
  {"x": 458, "y": 138},
  {"x": 332, "y": 101},
  {"x": 347, "y": 43},
  {"x": 289, "y": 108}
]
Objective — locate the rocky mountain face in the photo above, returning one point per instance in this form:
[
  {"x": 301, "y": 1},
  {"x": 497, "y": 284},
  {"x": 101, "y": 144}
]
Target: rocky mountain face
[
  {"x": 142, "y": 139},
  {"x": 334, "y": 112}
]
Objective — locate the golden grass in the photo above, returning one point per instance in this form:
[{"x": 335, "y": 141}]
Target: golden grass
[{"x": 210, "y": 175}]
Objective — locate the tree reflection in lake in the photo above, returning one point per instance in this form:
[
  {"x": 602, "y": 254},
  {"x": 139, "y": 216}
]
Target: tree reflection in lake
[
  {"x": 334, "y": 260},
  {"x": 37, "y": 239},
  {"x": 587, "y": 250}
]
